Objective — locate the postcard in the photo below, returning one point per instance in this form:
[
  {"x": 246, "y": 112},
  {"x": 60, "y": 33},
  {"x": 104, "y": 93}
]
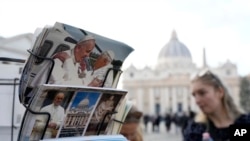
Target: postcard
[
  {"x": 59, "y": 111},
  {"x": 79, "y": 113},
  {"x": 106, "y": 109},
  {"x": 66, "y": 55}
]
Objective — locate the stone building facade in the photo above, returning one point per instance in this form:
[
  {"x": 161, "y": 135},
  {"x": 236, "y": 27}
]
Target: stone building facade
[{"x": 166, "y": 88}]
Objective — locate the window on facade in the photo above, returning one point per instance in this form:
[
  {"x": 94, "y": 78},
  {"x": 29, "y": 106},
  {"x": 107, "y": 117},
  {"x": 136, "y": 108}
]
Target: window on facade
[
  {"x": 131, "y": 74},
  {"x": 228, "y": 72},
  {"x": 157, "y": 108},
  {"x": 179, "y": 107}
]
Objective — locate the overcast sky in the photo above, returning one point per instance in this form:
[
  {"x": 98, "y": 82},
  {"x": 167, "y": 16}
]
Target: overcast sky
[{"x": 221, "y": 26}]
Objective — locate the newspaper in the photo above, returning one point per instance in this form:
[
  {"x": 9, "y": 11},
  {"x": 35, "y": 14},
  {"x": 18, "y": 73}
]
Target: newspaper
[
  {"x": 66, "y": 55},
  {"x": 71, "y": 111}
]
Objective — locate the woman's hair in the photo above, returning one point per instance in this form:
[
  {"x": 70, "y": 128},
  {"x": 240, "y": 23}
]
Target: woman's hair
[
  {"x": 207, "y": 77},
  {"x": 139, "y": 136},
  {"x": 134, "y": 115}
]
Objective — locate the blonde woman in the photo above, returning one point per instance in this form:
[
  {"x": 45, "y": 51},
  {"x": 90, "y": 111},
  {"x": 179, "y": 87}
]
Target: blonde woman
[
  {"x": 218, "y": 110},
  {"x": 131, "y": 128}
]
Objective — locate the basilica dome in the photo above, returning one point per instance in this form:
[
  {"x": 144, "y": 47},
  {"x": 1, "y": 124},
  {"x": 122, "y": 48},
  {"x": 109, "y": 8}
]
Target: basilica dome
[
  {"x": 84, "y": 102},
  {"x": 174, "y": 49},
  {"x": 174, "y": 55}
]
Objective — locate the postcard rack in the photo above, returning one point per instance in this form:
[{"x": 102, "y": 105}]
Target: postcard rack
[{"x": 116, "y": 70}]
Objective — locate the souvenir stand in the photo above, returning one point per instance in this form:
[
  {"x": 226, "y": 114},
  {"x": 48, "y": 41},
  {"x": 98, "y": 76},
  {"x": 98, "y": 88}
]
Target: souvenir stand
[{"x": 38, "y": 71}]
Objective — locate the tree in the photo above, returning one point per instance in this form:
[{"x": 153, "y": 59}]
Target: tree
[{"x": 245, "y": 94}]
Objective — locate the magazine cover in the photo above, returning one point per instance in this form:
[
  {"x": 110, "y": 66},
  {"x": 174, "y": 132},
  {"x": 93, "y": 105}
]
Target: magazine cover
[
  {"x": 70, "y": 111},
  {"x": 67, "y": 55}
]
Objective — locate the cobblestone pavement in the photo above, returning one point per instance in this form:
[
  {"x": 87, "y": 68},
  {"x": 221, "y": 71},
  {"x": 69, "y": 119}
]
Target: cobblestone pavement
[{"x": 162, "y": 135}]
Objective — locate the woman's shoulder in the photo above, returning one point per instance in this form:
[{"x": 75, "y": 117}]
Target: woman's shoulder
[
  {"x": 194, "y": 131},
  {"x": 243, "y": 119}
]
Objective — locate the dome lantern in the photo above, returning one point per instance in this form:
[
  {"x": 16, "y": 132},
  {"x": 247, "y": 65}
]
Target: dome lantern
[{"x": 174, "y": 49}]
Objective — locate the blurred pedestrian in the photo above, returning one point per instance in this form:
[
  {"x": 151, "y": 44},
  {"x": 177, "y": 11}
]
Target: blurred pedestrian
[
  {"x": 131, "y": 128},
  {"x": 146, "y": 119},
  {"x": 168, "y": 121}
]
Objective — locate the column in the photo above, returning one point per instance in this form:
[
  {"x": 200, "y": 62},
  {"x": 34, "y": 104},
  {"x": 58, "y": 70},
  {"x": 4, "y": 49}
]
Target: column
[
  {"x": 174, "y": 99},
  {"x": 140, "y": 99},
  {"x": 163, "y": 100},
  {"x": 185, "y": 99},
  {"x": 151, "y": 101}
]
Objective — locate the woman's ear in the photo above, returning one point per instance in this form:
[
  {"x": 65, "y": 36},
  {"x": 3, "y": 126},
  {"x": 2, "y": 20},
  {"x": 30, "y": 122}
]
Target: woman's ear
[{"x": 221, "y": 92}]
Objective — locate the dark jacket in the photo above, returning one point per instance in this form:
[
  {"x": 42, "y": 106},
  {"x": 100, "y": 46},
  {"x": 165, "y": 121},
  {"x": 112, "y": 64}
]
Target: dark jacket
[{"x": 194, "y": 131}]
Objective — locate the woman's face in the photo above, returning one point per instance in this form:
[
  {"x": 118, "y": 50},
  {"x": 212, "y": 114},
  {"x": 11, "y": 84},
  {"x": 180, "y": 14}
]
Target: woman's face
[
  {"x": 206, "y": 97},
  {"x": 129, "y": 130}
]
